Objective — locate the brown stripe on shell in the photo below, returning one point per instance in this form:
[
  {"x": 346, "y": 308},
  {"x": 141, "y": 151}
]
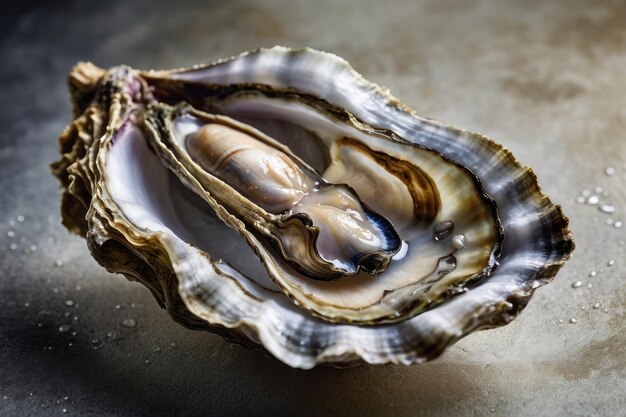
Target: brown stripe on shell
[{"x": 420, "y": 186}]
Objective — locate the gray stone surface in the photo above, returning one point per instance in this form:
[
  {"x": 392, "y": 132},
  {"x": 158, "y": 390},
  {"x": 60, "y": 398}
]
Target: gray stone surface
[{"x": 544, "y": 78}]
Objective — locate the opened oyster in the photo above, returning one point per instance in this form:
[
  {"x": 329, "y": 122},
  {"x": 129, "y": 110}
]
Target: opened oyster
[{"x": 281, "y": 200}]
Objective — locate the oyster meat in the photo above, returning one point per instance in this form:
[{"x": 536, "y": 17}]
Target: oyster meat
[
  {"x": 321, "y": 229},
  {"x": 283, "y": 201}
]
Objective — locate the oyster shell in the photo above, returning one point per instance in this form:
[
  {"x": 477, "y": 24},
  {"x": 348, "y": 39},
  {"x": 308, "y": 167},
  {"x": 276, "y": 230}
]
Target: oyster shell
[{"x": 281, "y": 200}]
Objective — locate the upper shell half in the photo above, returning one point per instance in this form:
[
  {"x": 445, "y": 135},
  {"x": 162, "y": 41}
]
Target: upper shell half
[{"x": 281, "y": 200}]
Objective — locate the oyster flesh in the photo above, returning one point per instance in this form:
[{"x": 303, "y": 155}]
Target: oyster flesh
[{"x": 283, "y": 201}]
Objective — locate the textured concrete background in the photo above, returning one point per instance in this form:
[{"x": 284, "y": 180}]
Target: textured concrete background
[{"x": 546, "y": 80}]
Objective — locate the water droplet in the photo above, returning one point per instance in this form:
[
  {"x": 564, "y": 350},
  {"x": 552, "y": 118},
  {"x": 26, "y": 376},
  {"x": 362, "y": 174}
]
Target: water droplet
[
  {"x": 561, "y": 321},
  {"x": 58, "y": 263},
  {"x": 158, "y": 349},
  {"x": 64, "y": 328},
  {"x": 117, "y": 306},
  {"x": 33, "y": 248},
  {"x": 596, "y": 306},
  {"x": 618, "y": 224},
  {"x": 598, "y": 189},
  {"x": 133, "y": 305},
  {"x": 446, "y": 265},
  {"x": 13, "y": 246},
  {"x": 611, "y": 262},
  {"x": 74, "y": 332},
  {"x": 27, "y": 304},
  {"x": 585, "y": 193},
  {"x": 20, "y": 218},
  {"x": 66, "y": 398},
  {"x": 593, "y": 200},
  {"x": 443, "y": 229},
  {"x": 39, "y": 324},
  {"x": 577, "y": 284},
  {"x": 147, "y": 361},
  {"x": 607, "y": 208},
  {"x": 580, "y": 199},
  {"x": 65, "y": 410},
  {"x": 69, "y": 303},
  {"x": 606, "y": 310},
  {"x": 458, "y": 241},
  {"x": 173, "y": 344},
  {"x": 78, "y": 288},
  {"x": 609, "y": 171},
  {"x": 593, "y": 273},
  {"x": 609, "y": 221},
  {"x": 130, "y": 323},
  {"x": 590, "y": 285},
  {"x": 11, "y": 233},
  {"x": 75, "y": 318},
  {"x": 583, "y": 307},
  {"x": 573, "y": 320}
]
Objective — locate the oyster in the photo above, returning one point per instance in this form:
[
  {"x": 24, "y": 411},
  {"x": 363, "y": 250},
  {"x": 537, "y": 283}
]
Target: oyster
[{"x": 281, "y": 200}]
